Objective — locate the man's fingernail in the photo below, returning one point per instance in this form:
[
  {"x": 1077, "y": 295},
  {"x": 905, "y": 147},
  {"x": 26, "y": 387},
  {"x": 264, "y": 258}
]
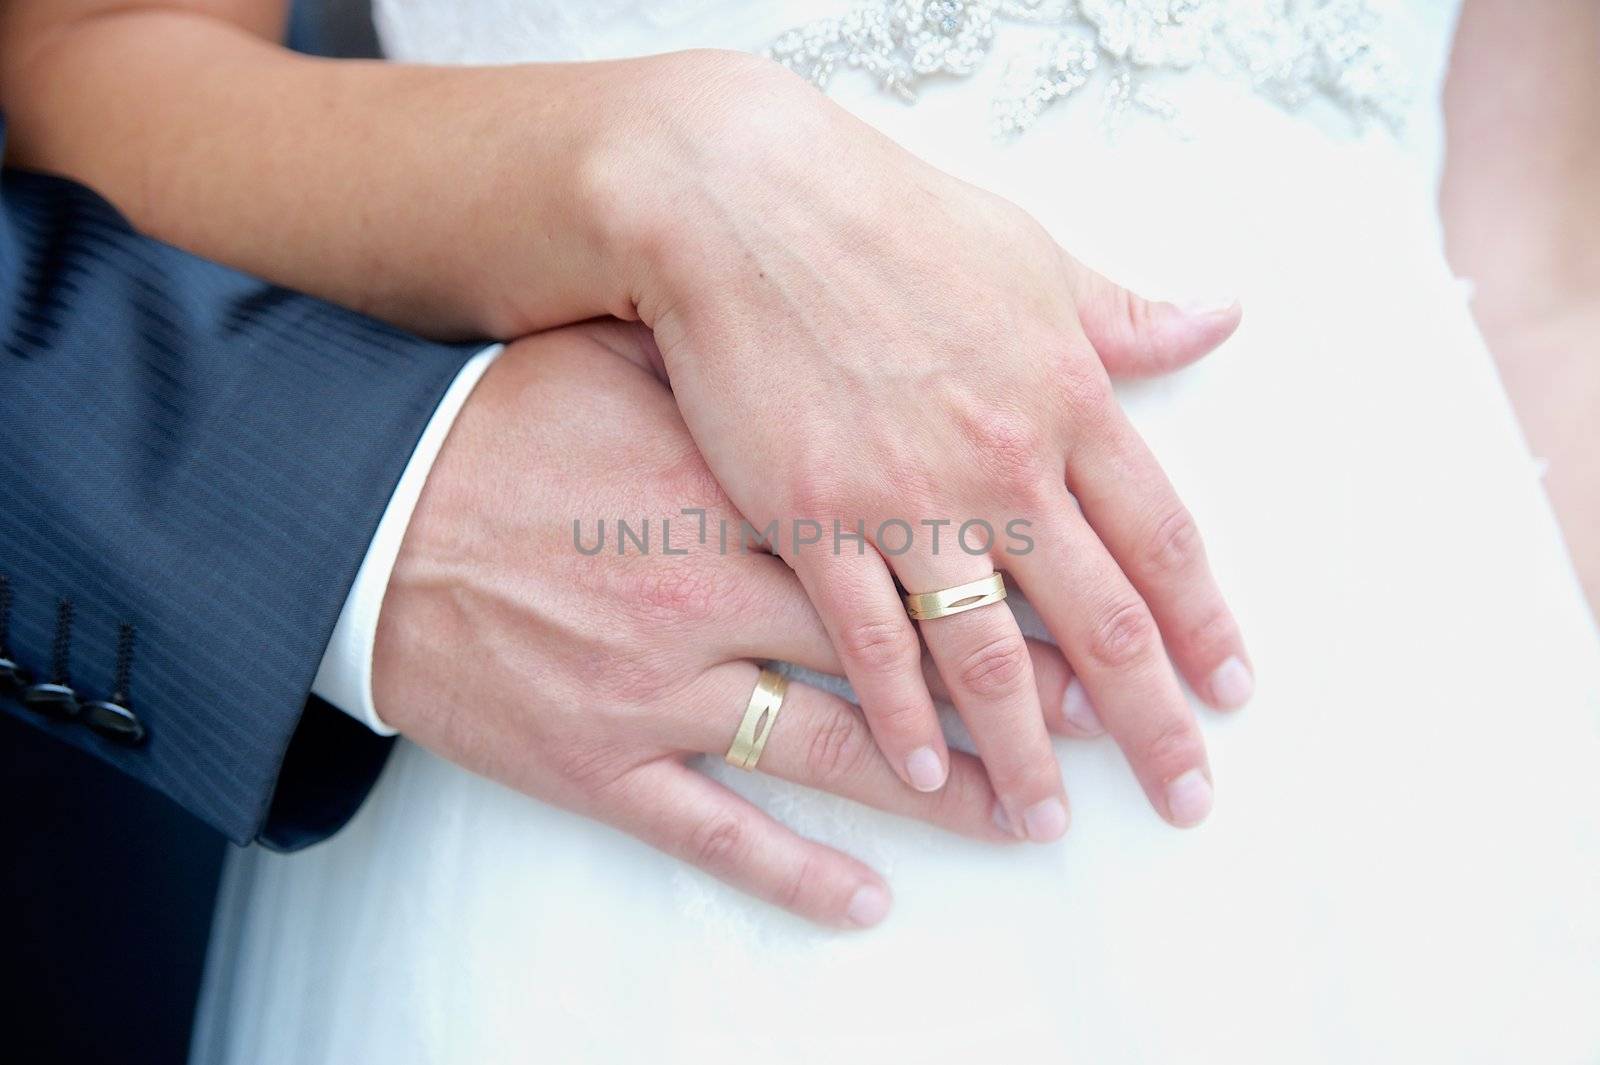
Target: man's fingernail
[
  {"x": 1078, "y": 711},
  {"x": 1003, "y": 822},
  {"x": 1231, "y": 684},
  {"x": 868, "y": 906},
  {"x": 924, "y": 769},
  {"x": 1202, "y": 305},
  {"x": 1045, "y": 820},
  {"x": 1189, "y": 798}
]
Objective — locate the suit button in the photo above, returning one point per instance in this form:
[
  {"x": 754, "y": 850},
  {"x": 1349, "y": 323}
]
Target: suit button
[
  {"x": 52, "y": 700},
  {"x": 115, "y": 723},
  {"x": 13, "y": 678}
]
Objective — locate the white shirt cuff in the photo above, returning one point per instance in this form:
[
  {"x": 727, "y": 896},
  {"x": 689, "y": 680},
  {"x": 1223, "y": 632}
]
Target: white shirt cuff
[{"x": 345, "y": 676}]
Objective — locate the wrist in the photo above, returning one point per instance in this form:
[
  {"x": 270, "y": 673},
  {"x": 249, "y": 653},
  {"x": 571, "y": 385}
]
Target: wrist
[{"x": 683, "y": 132}]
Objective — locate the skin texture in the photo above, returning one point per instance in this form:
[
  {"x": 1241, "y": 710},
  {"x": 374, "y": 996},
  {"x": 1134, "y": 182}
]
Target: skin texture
[
  {"x": 1521, "y": 205},
  {"x": 592, "y": 678},
  {"x": 659, "y": 190}
]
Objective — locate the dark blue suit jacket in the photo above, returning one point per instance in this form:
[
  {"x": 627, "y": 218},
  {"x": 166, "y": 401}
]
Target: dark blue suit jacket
[{"x": 203, "y": 458}]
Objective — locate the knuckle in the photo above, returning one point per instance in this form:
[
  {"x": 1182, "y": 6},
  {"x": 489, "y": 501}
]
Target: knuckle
[
  {"x": 836, "y": 750},
  {"x": 679, "y": 591},
  {"x": 1080, "y": 377},
  {"x": 1012, "y": 451},
  {"x": 876, "y": 644},
  {"x": 1214, "y": 632},
  {"x": 1128, "y": 310},
  {"x": 719, "y": 844},
  {"x": 1174, "y": 544},
  {"x": 1030, "y": 776},
  {"x": 1123, "y": 634},
  {"x": 791, "y": 888},
  {"x": 1031, "y": 783},
  {"x": 998, "y": 667},
  {"x": 900, "y": 719},
  {"x": 1173, "y": 747},
  {"x": 816, "y": 491}
]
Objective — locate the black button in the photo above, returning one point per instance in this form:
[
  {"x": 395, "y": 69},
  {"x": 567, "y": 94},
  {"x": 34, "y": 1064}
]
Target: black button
[
  {"x": 52, "y": 700},
  {"x": 115, "y": 723}
]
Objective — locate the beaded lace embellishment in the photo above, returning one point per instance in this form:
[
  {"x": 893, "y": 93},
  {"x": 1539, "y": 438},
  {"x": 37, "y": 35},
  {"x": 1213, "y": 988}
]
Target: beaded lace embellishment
[{"x": 1291, "y": 51}]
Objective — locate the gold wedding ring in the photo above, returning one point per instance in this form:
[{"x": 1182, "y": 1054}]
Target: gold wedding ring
[
  {"x": 926, "y": 606},
  {"x": 765, "y": 702}
]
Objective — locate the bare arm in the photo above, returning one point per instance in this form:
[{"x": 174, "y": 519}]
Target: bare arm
[
  {"x": 1521, "y": 204},
  {"x": 191, "y": 118}
]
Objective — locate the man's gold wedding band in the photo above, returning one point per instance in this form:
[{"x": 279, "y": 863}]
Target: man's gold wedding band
[
  {"x": 762, "y": 711},
  {"x": 925, "y": 606}
]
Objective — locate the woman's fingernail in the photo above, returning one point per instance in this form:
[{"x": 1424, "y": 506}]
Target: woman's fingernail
[
  {"x": 1078, "y": 711},
  {"x": 1003, "y": 822},
  {"x": 1045, "y": 820},
  {"x": 1189, "y": 798},
  {"x": 1206, "y": 304},
  {"x": 868, "y": 906},
  {"x": 924, "y": 769},
  {"x": 1231, "y": 684}
]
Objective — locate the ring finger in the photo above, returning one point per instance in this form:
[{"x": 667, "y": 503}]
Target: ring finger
[
  {"x": 985, "y": 663},
  {"x": 821, "y": 741}
]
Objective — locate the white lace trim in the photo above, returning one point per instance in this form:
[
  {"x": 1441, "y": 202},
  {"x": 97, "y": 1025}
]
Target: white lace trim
[{"x": 1291, "y": 51}]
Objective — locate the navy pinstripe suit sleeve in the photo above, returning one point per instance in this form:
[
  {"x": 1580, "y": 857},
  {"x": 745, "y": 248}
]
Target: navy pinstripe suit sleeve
[{"x": 205, "y": 458}]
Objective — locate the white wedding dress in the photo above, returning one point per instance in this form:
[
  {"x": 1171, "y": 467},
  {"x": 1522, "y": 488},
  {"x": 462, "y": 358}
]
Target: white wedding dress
[{"x": 1404, "y": 860}]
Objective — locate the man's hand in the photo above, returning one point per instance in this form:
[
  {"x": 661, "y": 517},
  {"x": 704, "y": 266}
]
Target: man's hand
[{"x": 588, "y": 680}]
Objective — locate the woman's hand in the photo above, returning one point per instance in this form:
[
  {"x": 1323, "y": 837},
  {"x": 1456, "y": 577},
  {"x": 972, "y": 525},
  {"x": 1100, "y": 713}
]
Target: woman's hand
[
  {"x": 587, "y": 680},
  {"x": 856, "y": 337}
]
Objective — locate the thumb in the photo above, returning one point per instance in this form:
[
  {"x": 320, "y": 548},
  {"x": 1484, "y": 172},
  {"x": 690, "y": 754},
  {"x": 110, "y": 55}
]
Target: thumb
[{"x": 1136, "y": 337}]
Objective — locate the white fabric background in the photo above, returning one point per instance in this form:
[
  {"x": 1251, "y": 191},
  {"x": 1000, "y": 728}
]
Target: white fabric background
[{"x": 1404, "y": 860}]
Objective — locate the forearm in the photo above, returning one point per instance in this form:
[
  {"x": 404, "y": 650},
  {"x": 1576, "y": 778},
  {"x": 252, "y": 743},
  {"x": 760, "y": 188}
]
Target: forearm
[
  {"x": 1551, "y": 368},
  {"x": 402, "y": 191},
  {"x": 1521, "y": 206},
  {"x": 1521, "y": 190}
]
